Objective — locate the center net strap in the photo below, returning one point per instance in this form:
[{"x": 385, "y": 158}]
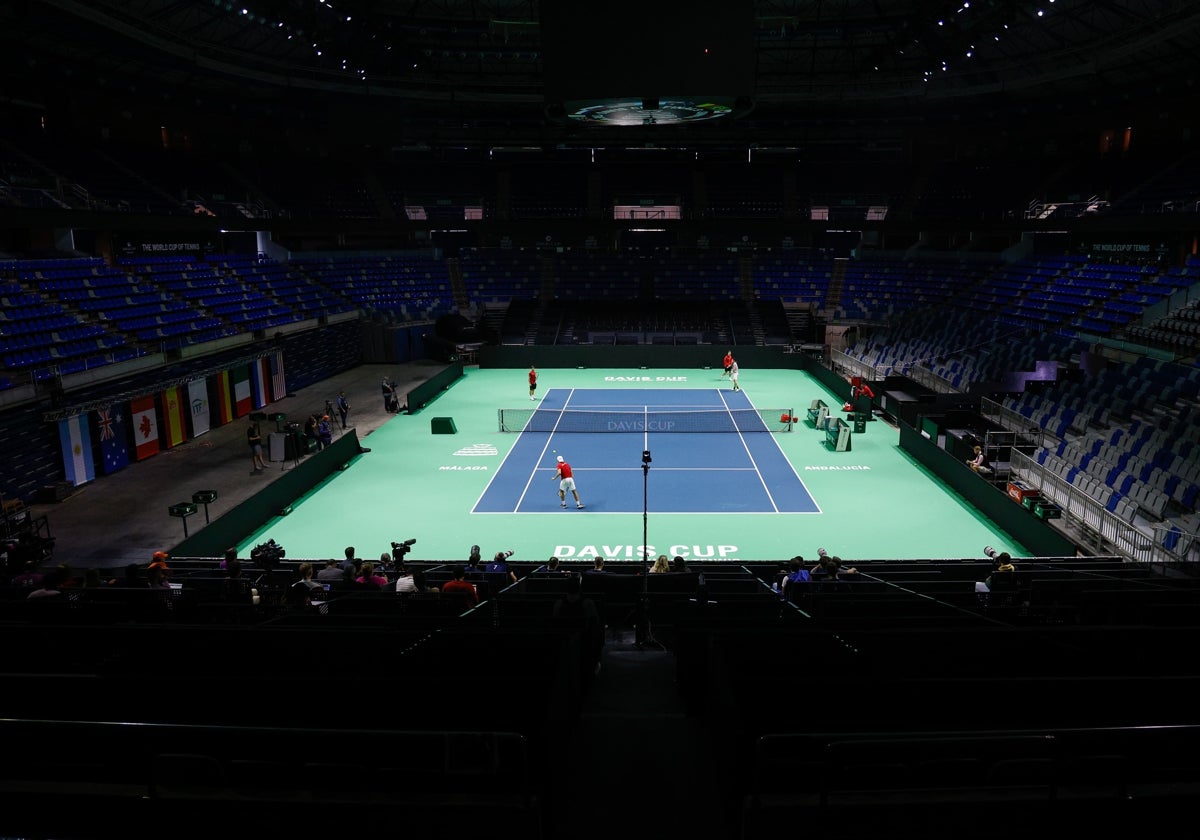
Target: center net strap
[{"x": 655, "y": 420}]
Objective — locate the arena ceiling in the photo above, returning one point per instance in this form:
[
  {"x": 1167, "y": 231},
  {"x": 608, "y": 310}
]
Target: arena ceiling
[{"x": 480, "y": 62}]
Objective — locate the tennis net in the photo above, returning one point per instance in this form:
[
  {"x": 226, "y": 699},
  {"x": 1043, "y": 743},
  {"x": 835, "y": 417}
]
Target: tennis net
[{"x": 648, "y": 420}]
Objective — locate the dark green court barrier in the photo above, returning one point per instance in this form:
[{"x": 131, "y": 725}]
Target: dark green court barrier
[{"x": 243, "y": 520}]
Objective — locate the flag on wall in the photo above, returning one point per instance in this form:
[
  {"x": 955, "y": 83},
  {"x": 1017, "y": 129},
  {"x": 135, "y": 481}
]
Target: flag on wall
[
  {"x": 220, "y": 399},
  {"x": 197, "y": 406},
  {"x": 76, "y": 442},
  {"x": 241, "y": 390},
  {"x": 278, "y": 384},
  {"x": 174, "y": 429},
  {"x": 259, "y": 393},
  {"x": 145, "y": 428},
  {"x": 112, "y": 427}
]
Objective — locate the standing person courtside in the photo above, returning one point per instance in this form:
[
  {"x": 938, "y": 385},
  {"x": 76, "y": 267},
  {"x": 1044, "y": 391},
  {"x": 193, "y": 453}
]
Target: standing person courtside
[
  {"x": 388, "y": 393},
  {"x": 533, "y": 374},
  {"x": 566, "y": 481},
  {"x": 726, "y": 363},
  {"x": 733, "y": 374},
  {"x": 254, "y": 439},
  {"x": 343, "y": 407}
]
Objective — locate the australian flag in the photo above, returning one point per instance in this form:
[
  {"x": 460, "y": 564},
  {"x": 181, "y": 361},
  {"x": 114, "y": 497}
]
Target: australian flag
[{"x": 112, "y": 425}]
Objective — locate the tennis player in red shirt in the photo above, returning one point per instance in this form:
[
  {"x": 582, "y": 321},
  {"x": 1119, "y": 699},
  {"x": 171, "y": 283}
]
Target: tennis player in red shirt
[
  {"x": 532, "y": 381},
  {"x": 566, "y": 481}
]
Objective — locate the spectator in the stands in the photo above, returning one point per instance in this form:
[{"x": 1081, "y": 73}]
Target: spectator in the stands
[
  {"x": 406, "y": 584},
  {"x": 459, "y": 587},
  {"x": 92, "y": 579},
  {"x": 978, "y": 461},
  {"x": 661, "y": 565},
  {"x": 66, "y": 578},
  {"x": 597, "y": 567},
  {"x": 368, "y": 578},
  {"x": 234, "y": 587},
  {"x": 158, "y": 576},
  {"x": 554, "y": 567},
  {"x": 332, "y": 573},
  {"x": 499, "y": 568},
  {"x": 679, "y": 564},
  {"x": 29, "y": 577},
  {"x": 422, "y": 585},
  {"x": 796, "y": 576},
  {"x": 305, "y": 571},
  {"x": 829, "y": 567},
  {"x": 47, "y": 587}
]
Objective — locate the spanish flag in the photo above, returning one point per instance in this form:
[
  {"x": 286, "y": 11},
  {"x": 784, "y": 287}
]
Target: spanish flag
[
  {"x": 220, "y": 398},
  {"x": 174, "y": 430}
]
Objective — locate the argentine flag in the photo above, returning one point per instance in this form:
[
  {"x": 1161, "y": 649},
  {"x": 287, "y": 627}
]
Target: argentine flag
[{"x": 76, "y": 442}]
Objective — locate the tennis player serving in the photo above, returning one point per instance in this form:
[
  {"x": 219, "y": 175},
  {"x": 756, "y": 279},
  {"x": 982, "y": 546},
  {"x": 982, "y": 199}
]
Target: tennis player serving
[{"x": 566, "y": 481}]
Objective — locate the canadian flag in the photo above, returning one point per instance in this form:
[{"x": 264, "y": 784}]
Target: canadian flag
[{"x": 145, "y": 428}]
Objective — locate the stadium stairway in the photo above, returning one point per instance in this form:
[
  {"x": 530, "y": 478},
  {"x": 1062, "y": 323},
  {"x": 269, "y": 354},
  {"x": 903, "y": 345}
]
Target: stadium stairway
[{"x": 638, "y": 763}]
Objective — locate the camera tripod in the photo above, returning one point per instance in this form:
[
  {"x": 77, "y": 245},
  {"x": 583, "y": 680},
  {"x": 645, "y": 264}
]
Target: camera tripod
[{"x": 643, "y": 634}]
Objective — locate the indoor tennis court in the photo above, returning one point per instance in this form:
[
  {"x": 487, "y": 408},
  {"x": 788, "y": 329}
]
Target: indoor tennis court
[{"x": 730, "y": 493}]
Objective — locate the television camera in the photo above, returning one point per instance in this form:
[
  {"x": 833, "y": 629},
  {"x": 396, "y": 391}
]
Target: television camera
[
  {"x": 267, "y": 555},
  {"x": 399, "y": 549}
]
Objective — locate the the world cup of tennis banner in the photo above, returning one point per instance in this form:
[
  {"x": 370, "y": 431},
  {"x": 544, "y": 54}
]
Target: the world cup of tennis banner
[
  {"x": 241, "y": 390},
  {"x": 112, "y": 427},
  {"x": 145, "y": 428},
  {"x": 174, "y": 430},
  {"x": 76, "y": 442},
  {"x": 220, "y": 398},
  {"x": 197, "y": 406}
]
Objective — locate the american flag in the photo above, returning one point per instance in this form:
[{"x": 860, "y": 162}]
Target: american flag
[{"x": 278, "y": 383}]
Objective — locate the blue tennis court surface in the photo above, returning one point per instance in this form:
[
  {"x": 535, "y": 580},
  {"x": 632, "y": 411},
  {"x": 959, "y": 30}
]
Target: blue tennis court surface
[{"x": 602, "y": 434}]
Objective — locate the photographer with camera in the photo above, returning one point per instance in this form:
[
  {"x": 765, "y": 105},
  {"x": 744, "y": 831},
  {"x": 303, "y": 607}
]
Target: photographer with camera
[
  {"x": 474, "y": 559},
  {"x": 1002, "y": 571},
  {"x": 498, "y": 568}
]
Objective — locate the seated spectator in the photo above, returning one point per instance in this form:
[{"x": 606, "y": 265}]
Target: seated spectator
[
  {"x": 406, "y": 583},
  {"x": 305, "y": 571},
  {"x": 66, "y": 578},
  {"x": 47, "y": 587},
  {"x": 29, "y": 576},
  {"x": 554, "y": 567},
  {"x": 422, "y": 586},
  {"x": 369, "y": 579},
  {"x": 332, "y": 573},
  {"x": 499, "y": 567},
  {"x": 979, "y": 461},
  {"x": 830, "y": 566},
  {"x": 158, "y": 576},
  {"x": 93, "y": 580},
  {"x": 234, "y": 587},
  {"x": 662, "y": 565},
  {"x": 597, "y": 567},
  {"x": 796, "y": 574},
  {"x": 459, "y": 587},
  {"x": 679, "y": 564}
]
